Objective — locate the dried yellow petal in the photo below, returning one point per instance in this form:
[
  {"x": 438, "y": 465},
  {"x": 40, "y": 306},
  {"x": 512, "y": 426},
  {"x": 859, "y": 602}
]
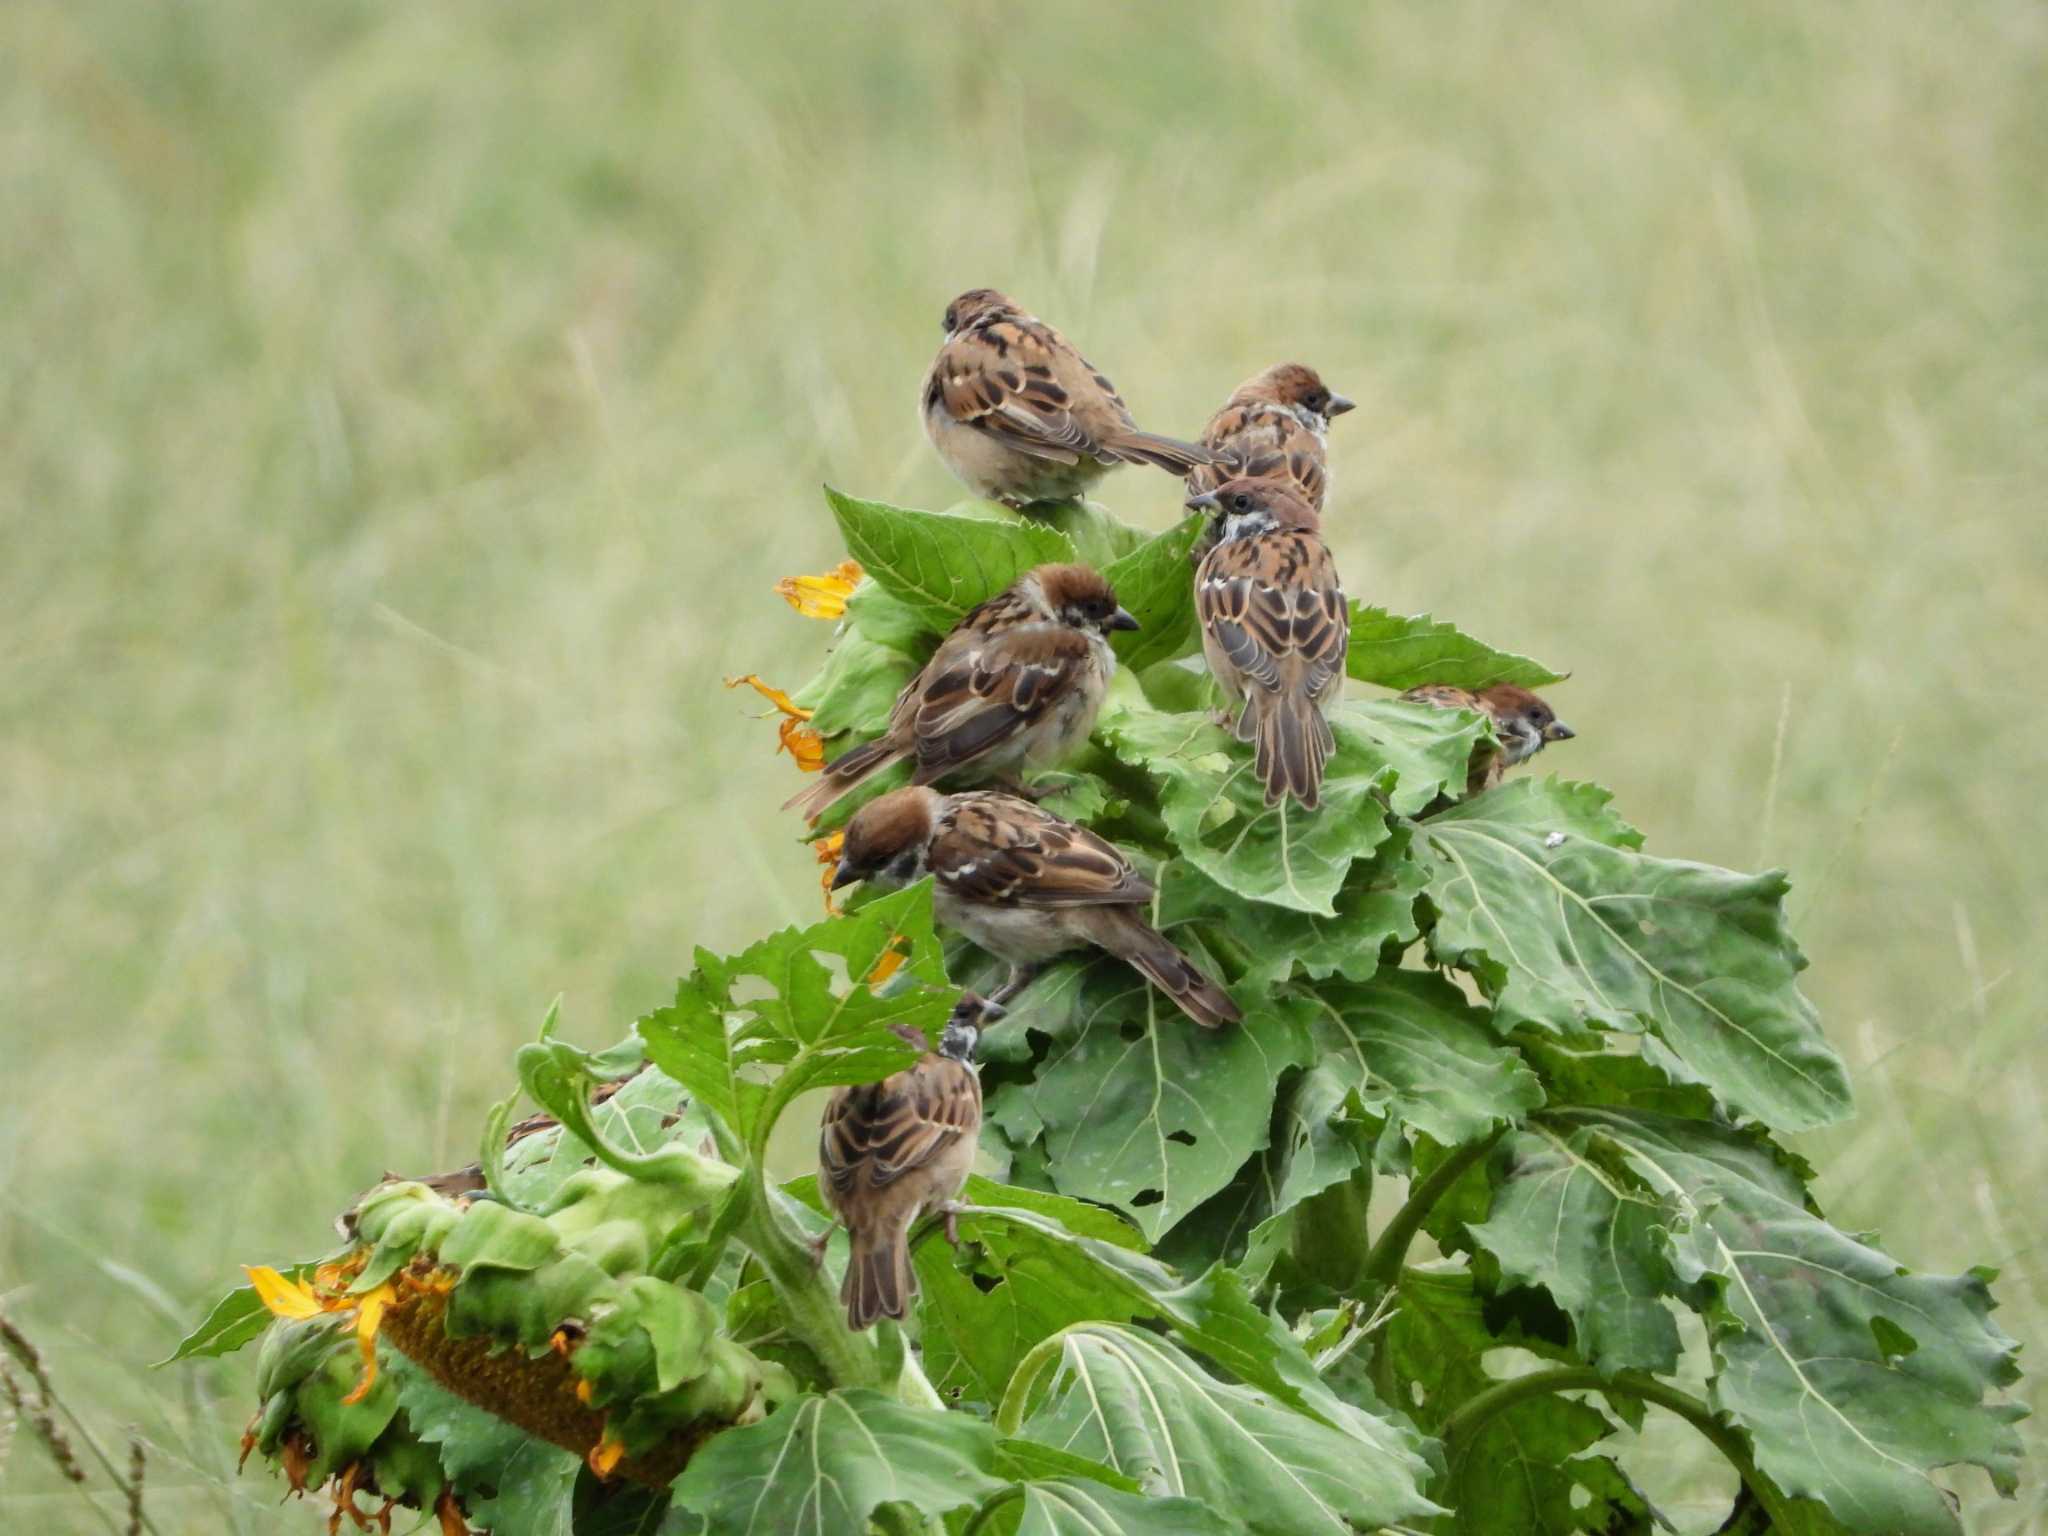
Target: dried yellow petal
[
  {"x": 803, "y": 744},
  {"x": 369, "y": 1316},
  {"x": 605, "y": 1455},
  {"x": 284, "y": 1298},
  {"x": 821, "y": 597}
]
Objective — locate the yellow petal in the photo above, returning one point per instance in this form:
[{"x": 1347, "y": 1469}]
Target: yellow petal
[
  {"x": 890, "y": 963},
  {"x": 605, "y": 1455},
  {"x": 828, "y": 848},
  {"x": 803, "y": 744},
  {"x": 821, "y": 597},
  {"x": 774, "y": 696},
  {"x": 584, "y": 1392},
  {"x": 369, "y": 1315},
  {"x": 284, "y": 1298}
]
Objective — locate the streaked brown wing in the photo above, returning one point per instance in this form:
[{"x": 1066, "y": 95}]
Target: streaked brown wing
[
  {"x": 1007, "y": 852},
  {"x": 1442, "y": 696},
  {"x": 1003, "y": 379},
  {"x": 1273, "y": 604},
  {"x": 873, "y": 1134},
  {"x": 989, "y": 688}
]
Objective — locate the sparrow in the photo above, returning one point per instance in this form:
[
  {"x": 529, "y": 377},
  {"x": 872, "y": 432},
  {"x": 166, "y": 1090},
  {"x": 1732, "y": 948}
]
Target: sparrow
[
  {"x": 1523, "y": 724},
  {"x": 1018, "y": 681},
  {"x": 1025, "y": 885},
  {"x": 890, "y": 1151},
  {"x": 1275, "y": 627},
  {"x": 1274, "y": 426},
  {"x": 1020, "y": 416}
]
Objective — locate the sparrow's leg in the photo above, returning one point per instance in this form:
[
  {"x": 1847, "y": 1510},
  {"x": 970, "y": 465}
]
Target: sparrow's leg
[
  {"x": 951, "y": 1211},
  {"x": 1012, "y": 785},
  {"x": 1021, "y": 976}
]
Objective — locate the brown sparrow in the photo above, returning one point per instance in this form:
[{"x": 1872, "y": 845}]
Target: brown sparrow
[
  {"x": 1273, "y": 427},
  {"x": 890, "y": 1151},
  {"x": 1019, "y": 681},
  {"x": 1274, "y": 628},
  {"x": 1020, "y": 416},
  {"x": 1523, "y": 724},
  {"x": 1025, "y": 885}
]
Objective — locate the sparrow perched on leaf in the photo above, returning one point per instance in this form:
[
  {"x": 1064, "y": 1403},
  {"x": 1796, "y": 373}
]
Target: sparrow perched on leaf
[
  {"x": 1275, "y": 626},
  {"x": 890, "y": 1151},
  {"x": 1019, "y": 681},
  {"x": 1523, "y": 724},
  {"x": 1020, "y": 416},
  {"x": 1025, "y": 885},
  {"x": 1273, "y": 427}
]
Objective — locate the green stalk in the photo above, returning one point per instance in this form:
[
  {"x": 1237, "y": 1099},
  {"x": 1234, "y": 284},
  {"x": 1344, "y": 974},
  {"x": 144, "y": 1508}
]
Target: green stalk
[
  {"x": 815, "y": 1315},
  {"x": 1383, "y": 1263},
  {"x": 1472, "y": 1414}
]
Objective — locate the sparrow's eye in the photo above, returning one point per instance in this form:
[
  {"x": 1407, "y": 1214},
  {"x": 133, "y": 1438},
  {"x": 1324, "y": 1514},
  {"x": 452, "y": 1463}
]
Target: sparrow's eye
[{"x": 1241, "y": 502}]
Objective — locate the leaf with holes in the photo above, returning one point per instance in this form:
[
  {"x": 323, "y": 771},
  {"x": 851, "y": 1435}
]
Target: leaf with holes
[
  {"x": 819, "y": 1023},
  {"x": 1564, "y": 930},
  {"x": 1147, "y": 1111},
  {"x": 1854, "y": 1376}
]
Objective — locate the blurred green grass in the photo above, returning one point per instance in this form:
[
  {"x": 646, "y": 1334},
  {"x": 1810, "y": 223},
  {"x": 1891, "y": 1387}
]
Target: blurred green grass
[{"x": 405, "y": 409}]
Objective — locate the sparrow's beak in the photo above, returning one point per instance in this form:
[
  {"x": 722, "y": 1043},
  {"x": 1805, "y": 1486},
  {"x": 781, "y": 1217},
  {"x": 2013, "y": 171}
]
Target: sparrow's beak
[
  {"x": 843, "y": 874},
  {"x": 1557, "y": 730},
  {"x": 1123, "y": 618},
  {"x": 1339, "y": 405},
  {"x": 1206, "y": 502}
]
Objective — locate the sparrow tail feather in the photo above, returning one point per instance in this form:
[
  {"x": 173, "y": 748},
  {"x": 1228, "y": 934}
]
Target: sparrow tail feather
[
  {"x": 1169, "y": 453},
  {"x": 1292, "y": 744},
  {"x": 843, "y": 775},
  {"x": 878, "y": 1279},
  {"x": 1145, "y": 949}
]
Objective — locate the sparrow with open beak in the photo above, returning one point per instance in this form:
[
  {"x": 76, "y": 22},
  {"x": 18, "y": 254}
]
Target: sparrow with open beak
[
  {"x": 1275, "y": 426},
  {"x": 1017, "y": 684},
  {"x": 1275, "y": 627},
  {"x": 1020, "y": 416},
  {"x": 1025, "y": 885},
  {"x": 888, "y": 1152},
  {"x": 1523, "y": 725}
]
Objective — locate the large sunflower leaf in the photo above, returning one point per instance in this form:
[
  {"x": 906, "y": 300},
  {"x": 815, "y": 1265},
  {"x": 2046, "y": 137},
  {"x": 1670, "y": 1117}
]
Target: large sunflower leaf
[
  {"x": 1854, "y": 1376},
  {"x": 1067, "y": 1506},
  {"x": 821, "y": 1465},
  {"x": 1563, "y": 929},
  {"x": 939, "y": 565},
  {"x": 1155, "y": 583},
  {"x": 1400, "y": 653},
  {"x": 1145, "y": 1110},
  {"x": 1137, "y": 1402}
]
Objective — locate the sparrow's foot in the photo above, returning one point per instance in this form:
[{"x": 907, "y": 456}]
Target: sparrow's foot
[
  {"x": 1023, "y": 791},
  {"x": 951, "y": 1211},
  {"x": 1021, "y": 976}
]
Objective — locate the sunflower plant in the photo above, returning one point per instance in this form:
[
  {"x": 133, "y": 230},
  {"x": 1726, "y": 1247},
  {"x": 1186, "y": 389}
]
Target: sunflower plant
[{"x": 1493, "y": 1168}]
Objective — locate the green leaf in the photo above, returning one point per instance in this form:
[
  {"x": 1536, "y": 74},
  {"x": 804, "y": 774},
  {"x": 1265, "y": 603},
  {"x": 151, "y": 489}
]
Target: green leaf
[
  {"x": 1027, "y": 1459},
  {"x": 938, "y": 565},
  {"x": 820, "y": 1466},
  {"x": 1147, "y": 1111},
  {"x": 1563, "y": 930},
  {"x": 1315, "y": 1145},
  {"x": 238, "y": 1318},
  {"x": 816, "y": 1030},
  {"x": 1375, "y": 907},
  {"x": 1216, "y": 812},
  {"x": 1564, "y": 1218},
  {"x": 1525, "y": 1469},
  {"x": 1838, "y": 1410},
  {"x": 1099, "y": 537},
  {"x": 1414, "y": 1037},
  {"x": 513, "y": 1484},
  {"x": 1155, "y": 582},
  {"x": 1070, "y": 1507},
  {"x": 1429, "y": 749},
  {"x": 1026, "y": 1278},
  {"x": 1137, "y": 1402},
  {"x": 649, "y": 1111},
  {"x": 1401, "y": 653},
  {"x": 858, "y": 685}
]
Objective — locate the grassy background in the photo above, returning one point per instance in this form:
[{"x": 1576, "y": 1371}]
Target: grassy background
[{"x": 404, "y": 410}]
